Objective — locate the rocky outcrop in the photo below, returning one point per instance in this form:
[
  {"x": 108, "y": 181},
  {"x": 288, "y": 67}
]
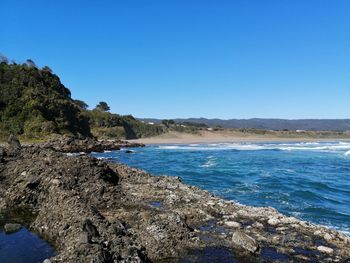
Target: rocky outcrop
[
  {"x": 70, "y": 144},
  {"x": 92, "y": 211}
]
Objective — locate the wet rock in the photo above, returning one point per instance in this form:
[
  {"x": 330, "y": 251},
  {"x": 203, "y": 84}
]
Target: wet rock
[
  {"x": 324, "y": 249},
  {"x": 47, "y": 261},
  {"x": 243, "y": 241},
  {"x": 12, "y": 228},
  {"x": 129, "y": 151}
]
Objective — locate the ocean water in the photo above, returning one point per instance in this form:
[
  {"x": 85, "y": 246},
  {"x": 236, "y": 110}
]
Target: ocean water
[{"x": 308, "y": 180}]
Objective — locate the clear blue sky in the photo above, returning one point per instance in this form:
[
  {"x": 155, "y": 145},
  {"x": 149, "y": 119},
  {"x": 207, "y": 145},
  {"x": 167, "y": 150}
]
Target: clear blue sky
[{"x": 191, "y": 58}]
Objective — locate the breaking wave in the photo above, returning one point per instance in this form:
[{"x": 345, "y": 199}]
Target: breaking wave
[{"x": 300, "y": 146}]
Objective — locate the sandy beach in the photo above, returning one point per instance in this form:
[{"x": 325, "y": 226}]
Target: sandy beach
[{"x": 236, "y": 136}]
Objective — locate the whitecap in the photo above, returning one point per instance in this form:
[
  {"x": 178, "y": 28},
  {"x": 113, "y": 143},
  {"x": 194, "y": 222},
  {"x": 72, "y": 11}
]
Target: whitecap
[
  {"x": 169, "y": 147},
  {"x": 347, "y": 153},
  {"x": 209, "y": 163}
]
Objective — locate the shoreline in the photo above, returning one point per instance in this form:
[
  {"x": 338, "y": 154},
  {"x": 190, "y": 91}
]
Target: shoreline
[
  {"x": 141, "y": 218},
  {"x": 206, "y": 138}
]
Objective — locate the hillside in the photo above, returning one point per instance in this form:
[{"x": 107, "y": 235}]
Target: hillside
[
  {"x": 271, "y": 124},
  {"x": 35, "y": 104}
]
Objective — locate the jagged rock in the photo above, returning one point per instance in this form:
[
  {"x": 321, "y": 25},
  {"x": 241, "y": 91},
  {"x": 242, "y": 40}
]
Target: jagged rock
[
  {"x": 242, "y": 240},
  {"x": 12, "y": 228}
]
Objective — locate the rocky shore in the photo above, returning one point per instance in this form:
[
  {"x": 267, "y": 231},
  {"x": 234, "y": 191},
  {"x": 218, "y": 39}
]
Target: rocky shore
[
  {"x": 93, "y": 211},
  {"x": 69, "y": 144}
]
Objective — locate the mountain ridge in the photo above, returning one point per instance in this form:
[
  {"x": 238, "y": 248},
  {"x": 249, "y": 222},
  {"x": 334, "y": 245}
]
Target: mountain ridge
[{"x": 269, "y": 123}]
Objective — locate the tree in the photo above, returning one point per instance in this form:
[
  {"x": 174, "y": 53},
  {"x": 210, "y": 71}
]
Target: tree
[
  {"x": 168, "y": 122},
  {"x": 3, "y": 59},
  {"x": 47, "y": 68},
  {"x": 81, "y": 104},
  {"x": 102, "y": 106},
  {"x": 30, "y": 63}
]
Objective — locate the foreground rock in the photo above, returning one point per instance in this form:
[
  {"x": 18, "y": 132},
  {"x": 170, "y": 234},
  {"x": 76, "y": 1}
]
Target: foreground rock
[
  {"x": 12, "y": 228},
  {"x": 69, "y": 144},
  {"x": 92, "y": 211}
]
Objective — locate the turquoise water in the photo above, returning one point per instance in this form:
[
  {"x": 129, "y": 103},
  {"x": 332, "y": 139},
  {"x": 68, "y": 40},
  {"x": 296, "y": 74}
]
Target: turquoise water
[{"x": 310, "y": 181}]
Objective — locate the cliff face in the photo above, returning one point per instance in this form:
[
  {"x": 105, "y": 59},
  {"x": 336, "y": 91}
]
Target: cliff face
[{"x": 93, "y": 211}]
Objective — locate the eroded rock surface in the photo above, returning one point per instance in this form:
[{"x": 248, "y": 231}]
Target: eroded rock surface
[
  {"x": 70, "y": 144},
  {"x": 92, "y": 211}
]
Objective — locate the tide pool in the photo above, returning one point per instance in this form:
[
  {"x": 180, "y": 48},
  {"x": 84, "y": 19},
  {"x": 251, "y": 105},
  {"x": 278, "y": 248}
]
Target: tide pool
[{"x": 308, "y": 180}]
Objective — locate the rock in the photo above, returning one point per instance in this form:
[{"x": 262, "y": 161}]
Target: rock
[
  {"x": 89, "y": 227},
  {"x": 34, "y": 183},
  {"x": 12, "y": 228},
  {"x": 14, "y": 145},
  {"x": 2, "y": 153},
  {"x": 327, "y": 237},
  {"x": 258, "y": 225},
  {"x": 233, "y": 224},
  {"x": 242, "y": 240},
  {"x": 129, "y": 151},
  {"x": 55, "y": 182},
  {"x": 47, "y": 261},
  {"x": 324, "y": 249},
  {"x": 273, "y": 221},
  {"x": 68, "y": 144}
]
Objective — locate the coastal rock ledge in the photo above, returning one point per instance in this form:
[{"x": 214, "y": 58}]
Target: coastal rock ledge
[{"x": 93, "y": 211}]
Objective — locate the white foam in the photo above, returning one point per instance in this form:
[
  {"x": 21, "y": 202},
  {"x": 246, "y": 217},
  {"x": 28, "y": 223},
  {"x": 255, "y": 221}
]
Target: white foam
[
  {"x": 210, "y": 162},
  {"x": 169, "y": 147},
  {"x": 301, "y": 146},
  {"x": 347, "y": 153}
]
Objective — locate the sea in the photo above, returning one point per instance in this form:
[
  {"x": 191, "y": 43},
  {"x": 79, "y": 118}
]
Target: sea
[{"x": 307, "y": 180}]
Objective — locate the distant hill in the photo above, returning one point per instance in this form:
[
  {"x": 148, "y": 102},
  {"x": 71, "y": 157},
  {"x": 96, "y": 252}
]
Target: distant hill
[
  {"x": 271, "y": 124},
  {"x": 35, "y": 104}
]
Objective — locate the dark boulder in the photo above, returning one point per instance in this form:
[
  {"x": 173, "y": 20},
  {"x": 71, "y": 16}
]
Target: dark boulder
[{"x": 14, "y": 145}]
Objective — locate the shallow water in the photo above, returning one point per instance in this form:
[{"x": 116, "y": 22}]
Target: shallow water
[
  {"x": 22, "y": 246},
  {"x": 310, "y": 181}
]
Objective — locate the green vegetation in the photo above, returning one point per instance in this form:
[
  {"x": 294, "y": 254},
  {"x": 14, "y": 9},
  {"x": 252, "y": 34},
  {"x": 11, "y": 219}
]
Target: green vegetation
[
  {"x": 186, "y": 127},
  {"x": 102, "y": 106},
  {"x": 108, "y": 125},
  {"x": 35, "y": 104}
]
